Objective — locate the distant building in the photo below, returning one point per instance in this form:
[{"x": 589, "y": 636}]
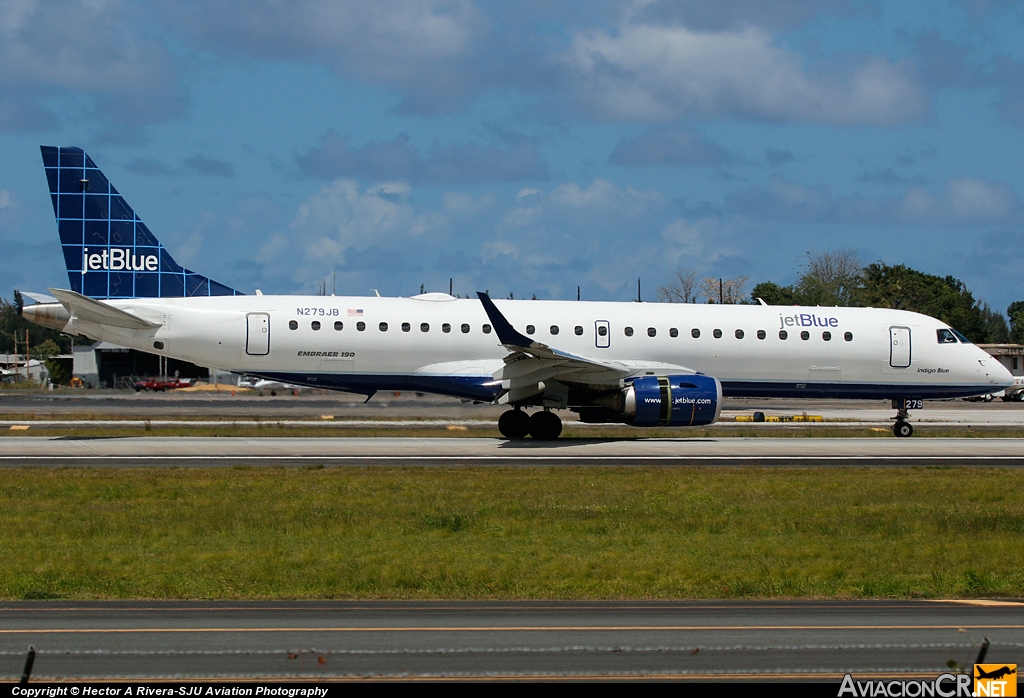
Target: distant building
[
  {"x": 1009, "y": 355},
  {"x": 12, "y": 368},
  {"x": 1012, "y": 357},
  {"x": 106, "y": 365}
]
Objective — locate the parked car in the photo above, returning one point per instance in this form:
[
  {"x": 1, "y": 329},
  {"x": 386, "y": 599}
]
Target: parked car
[{"x": 157, "y": 384}]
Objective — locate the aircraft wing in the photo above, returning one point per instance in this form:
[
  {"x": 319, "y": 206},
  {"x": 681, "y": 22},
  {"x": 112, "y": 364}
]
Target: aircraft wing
[
  {"x": 533, "y": 368},
  {"x": 86, "y": 309}
]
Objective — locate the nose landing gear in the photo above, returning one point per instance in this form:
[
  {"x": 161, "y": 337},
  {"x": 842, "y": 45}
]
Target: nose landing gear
[
  {"x": 903, "y": 406},
  {"x": 902, "y": 427}
]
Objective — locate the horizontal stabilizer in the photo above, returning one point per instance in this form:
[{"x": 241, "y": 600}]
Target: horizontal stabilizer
[
  {"x": 85, "y": 309},
  {"x": 39, "y": 297}
]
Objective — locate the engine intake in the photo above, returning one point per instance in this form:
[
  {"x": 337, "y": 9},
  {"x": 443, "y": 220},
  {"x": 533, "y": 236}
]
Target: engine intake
[{"x": 673, "y": 401}]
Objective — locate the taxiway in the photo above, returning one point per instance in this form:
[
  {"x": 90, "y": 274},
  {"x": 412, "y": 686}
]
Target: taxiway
[
  {"x": 408, "y": 640},
  {"x": 407, "y": 451}
]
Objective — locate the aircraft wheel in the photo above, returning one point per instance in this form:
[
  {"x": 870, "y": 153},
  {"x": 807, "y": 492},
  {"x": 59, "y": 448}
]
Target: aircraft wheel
[
  {"x": 902, "y": 429},
  {"x": 989, "y": 398},
  {"x": 545, "y": 426},
  {"x": 514, "y": 424}
]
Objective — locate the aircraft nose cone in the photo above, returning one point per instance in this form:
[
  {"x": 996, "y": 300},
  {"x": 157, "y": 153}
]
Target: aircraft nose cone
[{"x": 997, "y": 373}]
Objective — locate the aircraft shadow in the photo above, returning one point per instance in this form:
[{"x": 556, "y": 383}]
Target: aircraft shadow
[{"x": 567, "y": 443}]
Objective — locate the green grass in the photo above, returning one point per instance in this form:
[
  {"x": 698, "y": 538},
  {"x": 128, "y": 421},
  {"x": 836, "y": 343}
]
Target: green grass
[{"x": 551, "y": 533}]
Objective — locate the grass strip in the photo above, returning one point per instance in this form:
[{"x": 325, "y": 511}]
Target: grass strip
[{"x": 518, "y": 533}]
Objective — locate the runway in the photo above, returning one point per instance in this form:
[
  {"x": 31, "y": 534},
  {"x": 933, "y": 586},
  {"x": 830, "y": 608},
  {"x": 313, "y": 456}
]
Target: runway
[
  {"x": 311, "y": 405},
  {"x": 715, "y": 639},
  {"x": 381, "y": 451}
]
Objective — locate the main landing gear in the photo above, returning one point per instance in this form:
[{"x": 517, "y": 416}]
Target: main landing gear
[{"x": 542, "y": 426}]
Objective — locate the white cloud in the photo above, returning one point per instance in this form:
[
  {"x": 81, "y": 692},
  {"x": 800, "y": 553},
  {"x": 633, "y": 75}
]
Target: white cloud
[
  {"x": 5, "y": 199},
  {"x": 86, "y": 49},
  {"x": 961, "y": 201},
  {"x": 425, "y": 49},
  {"x": 656, "y": 73},
  {"x": 339, "y": 219},
  {"x": 546, "y": 241}
]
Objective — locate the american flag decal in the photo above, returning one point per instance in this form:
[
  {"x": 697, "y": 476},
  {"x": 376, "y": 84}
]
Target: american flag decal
[{"x": 355, "y": 312}]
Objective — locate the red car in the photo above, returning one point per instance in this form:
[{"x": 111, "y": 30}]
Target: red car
[{"x": 160, "y": 385}]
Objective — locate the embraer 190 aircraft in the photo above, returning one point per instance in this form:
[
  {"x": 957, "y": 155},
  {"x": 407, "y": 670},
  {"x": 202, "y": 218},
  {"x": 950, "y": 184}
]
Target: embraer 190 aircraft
[{"x": 644, "y": 364}]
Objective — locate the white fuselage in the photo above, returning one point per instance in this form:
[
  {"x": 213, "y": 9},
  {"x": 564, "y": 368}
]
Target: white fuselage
[{"x": 889, "y": 353}]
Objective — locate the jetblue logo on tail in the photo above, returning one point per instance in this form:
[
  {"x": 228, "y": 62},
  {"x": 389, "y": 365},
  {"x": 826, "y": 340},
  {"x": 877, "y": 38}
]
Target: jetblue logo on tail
[
  {"x": 109, "y": 252},
  {"x": 118, "y": 260}
]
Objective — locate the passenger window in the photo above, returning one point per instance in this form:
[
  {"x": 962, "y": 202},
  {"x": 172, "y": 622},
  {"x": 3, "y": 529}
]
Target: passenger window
[
  {"x": 945, "y": 337},
  {"x": 628, "y": 331},
  {"x": 424, "y": 327},
  {"x": 673, "y": 332},
  {"x": 848, "y": 336},
  {"x": 486, "y": 329},
  {"x": 739, "y": 334},
  {"x": 827, "y": 336},
  {"x": 554, "y": 329},
  {"x": 315, "y": 325},
  {"x": 360, "y": 325},
  {"x": 761, "y": 334},
  {"x": 783, "y": 334},
  {"x": 695, "y": 333},
  {"x": 293, "y": 325},
  {"x": 406, "y": 327},
  {"x": 717, "y": 334},
  {"x": 530, "y": 329},
  {"x": 805, "y": 335},
  {"x": 383, "y": 327},
  {"x": 446, "y": 328},
  {"x": 651, "y": 332},
  {"x": 464, "y": 328},
  {"x": 578, "y": 330},
  {"x": 338, "y": 325},
  {"x": 602, "y": 330}
]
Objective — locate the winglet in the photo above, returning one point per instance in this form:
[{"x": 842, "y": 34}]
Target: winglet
[{"x": 507, "y": 334}]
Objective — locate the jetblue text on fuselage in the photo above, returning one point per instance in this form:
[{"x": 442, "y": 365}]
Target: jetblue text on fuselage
[
  {"x": 807, "y": 320},
  {"x": 118, "y": 259}
]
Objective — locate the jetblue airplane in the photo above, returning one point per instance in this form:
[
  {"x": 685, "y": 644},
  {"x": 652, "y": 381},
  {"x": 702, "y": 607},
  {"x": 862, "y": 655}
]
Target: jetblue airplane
[{"x": 644, "y": 364}]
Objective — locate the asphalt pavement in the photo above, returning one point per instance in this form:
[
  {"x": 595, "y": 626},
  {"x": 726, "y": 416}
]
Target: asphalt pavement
[
  {"x": 408, "y": 451},
  {"x": 713, "y": 639}
]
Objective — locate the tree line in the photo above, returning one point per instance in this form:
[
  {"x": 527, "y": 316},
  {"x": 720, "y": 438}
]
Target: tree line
[
  {"x": 837, "y": 277},
  {"x": 43, "y": 343}
]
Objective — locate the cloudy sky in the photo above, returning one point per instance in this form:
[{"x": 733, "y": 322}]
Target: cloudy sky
[{"x": 525, "y": 147}]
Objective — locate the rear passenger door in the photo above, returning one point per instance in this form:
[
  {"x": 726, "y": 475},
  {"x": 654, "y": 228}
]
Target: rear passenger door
[{"x": 257, "y": 334}]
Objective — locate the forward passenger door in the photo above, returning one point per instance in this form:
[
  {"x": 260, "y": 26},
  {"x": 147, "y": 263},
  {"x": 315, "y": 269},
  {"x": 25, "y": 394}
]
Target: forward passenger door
[{"x": 899, "y": 347}]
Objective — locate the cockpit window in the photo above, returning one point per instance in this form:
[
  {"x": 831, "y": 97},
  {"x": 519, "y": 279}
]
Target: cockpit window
[
  {"x": 946, "y": 336},
  {"x": 963, "y": 340}
]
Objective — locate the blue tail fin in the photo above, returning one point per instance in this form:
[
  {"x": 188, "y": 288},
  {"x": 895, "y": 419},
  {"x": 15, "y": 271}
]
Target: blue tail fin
[{"x": 108, "y": 251}]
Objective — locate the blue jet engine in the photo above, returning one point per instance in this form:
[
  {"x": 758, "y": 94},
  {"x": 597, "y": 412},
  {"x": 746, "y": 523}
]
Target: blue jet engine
[{"x": 673, "y": 401}]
